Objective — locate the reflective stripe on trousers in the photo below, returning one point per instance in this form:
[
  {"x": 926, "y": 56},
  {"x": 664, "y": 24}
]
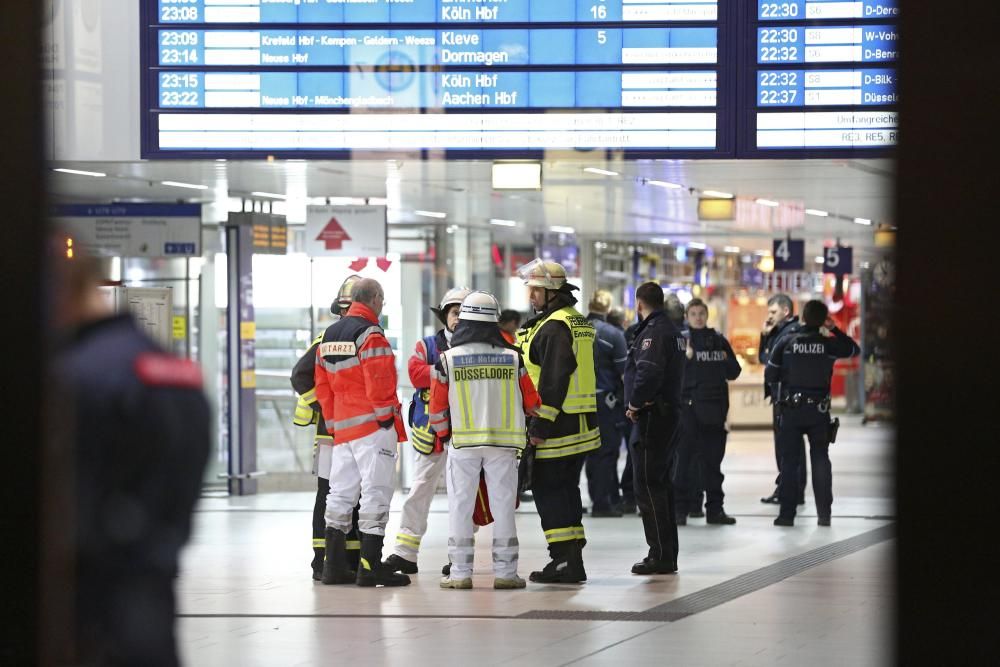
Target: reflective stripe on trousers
[
  {"x": 364, "y": 468},
  {"x": 500, "y": 466},
  {"x": 413, "y": 525}
]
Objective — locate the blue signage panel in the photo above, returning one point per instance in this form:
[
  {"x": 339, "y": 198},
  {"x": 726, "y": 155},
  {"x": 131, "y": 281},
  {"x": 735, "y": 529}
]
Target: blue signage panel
[
  {"x": 789, "y": 254},
  {"x": 838, "y": 260},
  {"x": 827, "y": 44},
  {"x": 810, "y": 10},
  {"x": 819, "y": 78},
  {"x": 433, "y": 11},
  {"x": 317, "y": 76},
  {"x": 436, "y": 90},
  {"x": 451, "y": 47},
  {"x": 801, "y": 87}
]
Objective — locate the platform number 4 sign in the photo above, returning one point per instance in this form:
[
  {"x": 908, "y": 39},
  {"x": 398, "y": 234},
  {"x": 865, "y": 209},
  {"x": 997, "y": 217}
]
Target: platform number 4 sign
[
  {"x": 789, "y": 254},
  {"x": 838, "y": 260}
]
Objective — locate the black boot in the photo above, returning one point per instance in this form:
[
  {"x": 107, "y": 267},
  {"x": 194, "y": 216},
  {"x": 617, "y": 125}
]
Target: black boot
[
  {"x": 372, "y": 572},
  {"x": 353, "y": 551},
  {"x": 721, "y": 518},
  {"x": 400, "y": 564},
  {"x": 566, "y": 568},
  {"x": 335, "y": 570},
  {"x": 317, "y": 562}
]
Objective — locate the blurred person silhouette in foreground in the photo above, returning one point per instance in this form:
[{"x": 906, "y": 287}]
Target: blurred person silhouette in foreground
[{"x": 139, "y": 440}]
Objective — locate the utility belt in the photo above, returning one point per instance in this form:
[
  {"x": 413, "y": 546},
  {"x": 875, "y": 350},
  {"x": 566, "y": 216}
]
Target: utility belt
[
  {"x": 798, "y": 400},
  {"x": 660, "y": 407}
]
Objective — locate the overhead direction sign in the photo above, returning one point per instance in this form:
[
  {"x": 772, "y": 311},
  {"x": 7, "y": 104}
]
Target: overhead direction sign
[
  {"x": 346, "y": 231},
  {"x": 333, "y": 235},
  {"x": 133, "y": 230}
]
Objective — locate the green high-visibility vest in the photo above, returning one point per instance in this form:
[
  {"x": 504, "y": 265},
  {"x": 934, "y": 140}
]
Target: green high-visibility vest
[{"x": 581, "y": 396}]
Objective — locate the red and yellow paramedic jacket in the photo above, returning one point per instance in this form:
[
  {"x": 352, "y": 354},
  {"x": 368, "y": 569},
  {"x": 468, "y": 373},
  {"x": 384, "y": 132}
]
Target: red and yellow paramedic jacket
[{"x": 356, "y": 377}]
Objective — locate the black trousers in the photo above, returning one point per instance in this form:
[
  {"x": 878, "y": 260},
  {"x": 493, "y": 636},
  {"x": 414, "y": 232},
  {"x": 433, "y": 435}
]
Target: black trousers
[
  {"x": 555, "y": 486},
  {"x": 602, "y": 465},
  {"x": 628, "y": 475},
  {"x": 802, "y": 473},
  {"x": 319, "y": 523},
  {"x": 700, "y": 451},
  {"x": 653, "y": 446},
  {"x": 796, "y": 422}
]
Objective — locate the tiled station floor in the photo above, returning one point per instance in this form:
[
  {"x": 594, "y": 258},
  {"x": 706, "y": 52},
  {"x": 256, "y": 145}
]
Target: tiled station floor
[{"x": 246, "y": 596}]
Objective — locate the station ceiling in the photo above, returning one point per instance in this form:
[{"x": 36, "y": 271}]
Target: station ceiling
[{"x": 637, "y": 201}]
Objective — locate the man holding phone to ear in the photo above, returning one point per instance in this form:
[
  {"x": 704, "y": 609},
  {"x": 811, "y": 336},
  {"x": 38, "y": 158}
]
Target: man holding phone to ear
[{"x": 780, "y": 322}]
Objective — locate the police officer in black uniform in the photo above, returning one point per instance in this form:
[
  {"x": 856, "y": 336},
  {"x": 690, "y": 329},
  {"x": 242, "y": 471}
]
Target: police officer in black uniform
[
  {"x": 799, "y": 373},
  {"x": 780, "y": 322},
  {"x": 704, "y": 406},
  {"x": 653, "y": 376},
  {"x": 141, "y": 437}
]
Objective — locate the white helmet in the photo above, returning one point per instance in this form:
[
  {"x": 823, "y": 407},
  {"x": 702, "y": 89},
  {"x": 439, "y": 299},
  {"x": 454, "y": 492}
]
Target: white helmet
[
  {"x": 452, "y": 297},
  {"x": 480, "y": 307},
  {"x": 543, "y": 273}
]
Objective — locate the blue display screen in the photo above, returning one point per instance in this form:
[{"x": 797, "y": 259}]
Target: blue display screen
[
  {"x": 812, "y": 10},
  {"x": 483, "y": 89},
  {"x": 450, "y": 47},
  {"x": 826, "y": 87},
  {"x": 825, "y": 44},
  {"x": 505, "y": 76},
  {"x": 432, "y": 11},
  {"x": 819, "y": 84}
]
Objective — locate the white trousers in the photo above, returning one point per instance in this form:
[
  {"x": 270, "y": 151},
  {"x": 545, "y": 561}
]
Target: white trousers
[
  {"x": 463, "y": 486},
  {"x": 427, "y": 471},
  {"x": 363, "y": 468},
  {"x": 322, "y": 451}
]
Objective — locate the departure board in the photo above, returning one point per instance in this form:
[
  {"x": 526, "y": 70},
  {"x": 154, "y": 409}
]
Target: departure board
[
  {"x": 818, "y": 77},
  {"x": 512, "y": 78},
  {"x": 509, "y": 77}
]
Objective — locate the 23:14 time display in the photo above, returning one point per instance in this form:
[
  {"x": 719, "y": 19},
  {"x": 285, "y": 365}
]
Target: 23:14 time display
[{"x": 179, "y": 56}]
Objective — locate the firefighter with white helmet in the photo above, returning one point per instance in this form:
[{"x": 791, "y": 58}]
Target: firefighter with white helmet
[
  {"x": 558, "y": 349},
  {"x": 480, "y": 393},
  {"x": 431, "y": 452}
]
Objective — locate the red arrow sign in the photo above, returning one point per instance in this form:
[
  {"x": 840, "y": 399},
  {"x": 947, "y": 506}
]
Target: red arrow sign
[{"x": 333, "y": 235}]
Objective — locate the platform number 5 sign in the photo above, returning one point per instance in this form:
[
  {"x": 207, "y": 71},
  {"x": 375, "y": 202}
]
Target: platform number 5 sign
[{"x": 838, "y": 260}]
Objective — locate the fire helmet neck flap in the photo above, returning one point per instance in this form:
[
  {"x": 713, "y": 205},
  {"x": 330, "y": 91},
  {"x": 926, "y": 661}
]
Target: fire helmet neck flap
[{"x": 452, "y": 297}]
